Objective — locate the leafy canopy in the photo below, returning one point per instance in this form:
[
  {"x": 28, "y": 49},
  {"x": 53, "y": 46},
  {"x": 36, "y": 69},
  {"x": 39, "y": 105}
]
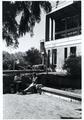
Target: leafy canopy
[
  {"x": 31, "y": 14},
  {"x": 33, "y": 56},
  {"x": 10, "y": 59}
]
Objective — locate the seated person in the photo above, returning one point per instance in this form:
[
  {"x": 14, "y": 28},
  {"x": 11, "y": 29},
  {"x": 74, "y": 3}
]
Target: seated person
[
  {"x": 17, "y": 81},
  {"x": 32, "y": 85}
]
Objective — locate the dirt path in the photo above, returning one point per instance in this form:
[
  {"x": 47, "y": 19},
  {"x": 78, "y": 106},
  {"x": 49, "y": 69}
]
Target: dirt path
[{"x": 35, "y": 106}]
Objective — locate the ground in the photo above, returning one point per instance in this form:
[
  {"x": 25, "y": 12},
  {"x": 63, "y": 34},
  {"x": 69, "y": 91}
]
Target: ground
[{"x": 35, "y": 106}]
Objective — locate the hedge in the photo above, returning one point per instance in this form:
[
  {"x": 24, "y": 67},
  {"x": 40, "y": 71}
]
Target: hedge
[
  {"x": 8, "y": 83},
  {"x": 49, "y": 80},
  {"x": 58, "y": 81}
]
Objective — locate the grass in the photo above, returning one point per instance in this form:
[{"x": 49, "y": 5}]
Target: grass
[{"x": 35, "y": 106}]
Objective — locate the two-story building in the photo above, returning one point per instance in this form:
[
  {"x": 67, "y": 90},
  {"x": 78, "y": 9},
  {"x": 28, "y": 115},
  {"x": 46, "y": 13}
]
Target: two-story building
[{"x": 63, "y": 32}]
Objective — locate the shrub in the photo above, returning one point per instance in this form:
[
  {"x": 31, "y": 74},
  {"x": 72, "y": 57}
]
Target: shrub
[
  {"x": 73, "y": 66},
  {"x": 39, "y": 67},
  {"x": 8, "y": 83}
]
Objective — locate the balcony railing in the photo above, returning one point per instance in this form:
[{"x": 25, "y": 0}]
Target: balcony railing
[{"x": 68, "y": 33}]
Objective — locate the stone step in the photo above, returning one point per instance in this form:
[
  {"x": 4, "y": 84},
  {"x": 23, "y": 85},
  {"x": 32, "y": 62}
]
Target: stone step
[{"x": 62, "y": 93}]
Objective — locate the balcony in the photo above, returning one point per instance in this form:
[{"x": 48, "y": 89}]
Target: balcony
[{"x": 68, "y": 33}]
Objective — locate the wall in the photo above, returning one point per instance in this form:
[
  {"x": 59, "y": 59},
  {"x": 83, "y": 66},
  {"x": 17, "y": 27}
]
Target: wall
[{"x": 60, "y": 44}]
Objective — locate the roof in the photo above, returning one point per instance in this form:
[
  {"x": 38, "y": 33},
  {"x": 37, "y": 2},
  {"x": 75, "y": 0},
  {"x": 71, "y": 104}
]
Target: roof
[
  {"x": 62, "y": 5},
  {"x": 67, "y": 10}
]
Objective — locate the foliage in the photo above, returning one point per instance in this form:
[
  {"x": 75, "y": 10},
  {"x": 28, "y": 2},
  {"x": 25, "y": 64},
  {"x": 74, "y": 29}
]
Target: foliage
[
  {"x": 39, "y": 67},
  {"x": 33, "y": 56},
  {"x": 31, "y": 11},
  {"x": 25, "y": 60},
  {"x": 59, "y": 81},
  {"x": 9, "y": 59},
  {"x": 9, "y": 84},
  {"x": 73, "y": 66},
  {"x": 20, "y": 56}
]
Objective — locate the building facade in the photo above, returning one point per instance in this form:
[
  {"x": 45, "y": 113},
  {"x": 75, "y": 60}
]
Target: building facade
[{"x": 63, "y": 33}]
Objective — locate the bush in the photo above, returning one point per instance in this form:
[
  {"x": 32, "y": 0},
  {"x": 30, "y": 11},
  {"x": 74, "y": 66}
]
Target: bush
[
  {"x": 73, "y": 66},
  {"x": 39, "y": 67},
  {"x": 8, "y": 83},
  {"x": 59, "y": 81}
]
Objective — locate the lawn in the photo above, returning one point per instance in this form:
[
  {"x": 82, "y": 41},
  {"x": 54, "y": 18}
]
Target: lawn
[{"x": 35, "y": 106}]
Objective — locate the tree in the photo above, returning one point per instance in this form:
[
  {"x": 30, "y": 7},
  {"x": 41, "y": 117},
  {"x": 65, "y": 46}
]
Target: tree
[
  {"x": 33, "y": 56},
  {"x": 20, "y": 57},
  {"x": 31, "y": 11},
  {"x": 9, "y": 61}
]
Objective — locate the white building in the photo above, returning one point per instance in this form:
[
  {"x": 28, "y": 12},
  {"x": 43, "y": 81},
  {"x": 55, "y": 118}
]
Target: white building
[{"x": 63, "y": 32}]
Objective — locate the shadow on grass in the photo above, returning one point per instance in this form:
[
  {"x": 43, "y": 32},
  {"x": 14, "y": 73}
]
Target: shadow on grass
[
  {"x": 79, "y": 109},
  {"x": 70, "y": 118}
]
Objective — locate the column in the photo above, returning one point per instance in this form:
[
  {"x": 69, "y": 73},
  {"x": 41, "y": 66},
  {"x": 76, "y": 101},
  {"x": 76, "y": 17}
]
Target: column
[
  {"x": 50, "y": 29},
  {"x": 51, "y": 56},
  {"x": 53, "y": 29},
  {"x": 68, "y": 51},
  {"x": 47, "y": 29},
  {"x": 65, "y": 27},
  {"x": 78, "y": 50}
]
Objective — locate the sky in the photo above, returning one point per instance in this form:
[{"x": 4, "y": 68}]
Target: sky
[{"x": 27, "y": 42}]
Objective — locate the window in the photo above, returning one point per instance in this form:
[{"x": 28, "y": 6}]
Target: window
[
  {"x": 60, "y": 25},
  {"x": 76, "y": 21},
  {"x": 73, "y": 51},
  {"x": 54, "y": 56},
  {"x": 65, "y": 53},
  {"x": 51, "y": 29},
  {"x": 73, "y": 22},
  {"x": 69, "y": 23},
  {"x": 42, "y": 46},
  {"x": 60, "y": 28},
  {"x": 48, "y": 58}
]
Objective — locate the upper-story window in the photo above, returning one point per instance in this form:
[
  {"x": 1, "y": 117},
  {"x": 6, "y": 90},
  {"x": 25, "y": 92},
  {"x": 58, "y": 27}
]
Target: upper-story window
[
  {"x": 68, "y": 26},
  {"x": 60, "y": 25},
  {"x": 73, "y": 22}
]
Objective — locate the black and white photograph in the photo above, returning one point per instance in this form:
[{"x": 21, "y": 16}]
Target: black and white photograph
[{"x": 42, "y": 59}]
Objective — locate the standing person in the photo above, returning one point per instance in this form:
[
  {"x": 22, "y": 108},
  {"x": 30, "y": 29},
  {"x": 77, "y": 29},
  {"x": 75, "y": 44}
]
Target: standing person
[
  {"x": 17, "y": 81},
  {"x": 32, "y": 85}
]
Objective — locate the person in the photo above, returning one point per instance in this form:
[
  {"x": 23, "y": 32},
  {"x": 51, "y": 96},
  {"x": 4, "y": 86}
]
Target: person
[
  {"x": 17, "y": 81},
  {"x": 32, "y": 85}
]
